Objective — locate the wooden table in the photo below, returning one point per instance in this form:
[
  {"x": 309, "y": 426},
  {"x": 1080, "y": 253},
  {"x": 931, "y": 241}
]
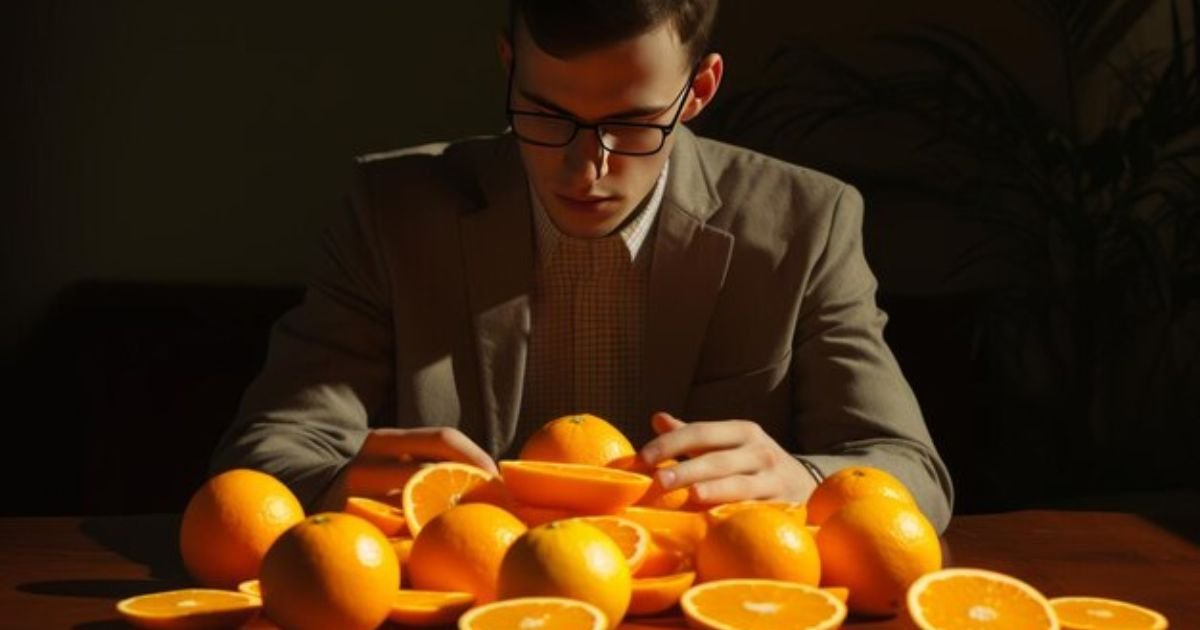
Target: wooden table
[{"x": 68, "y": 572}]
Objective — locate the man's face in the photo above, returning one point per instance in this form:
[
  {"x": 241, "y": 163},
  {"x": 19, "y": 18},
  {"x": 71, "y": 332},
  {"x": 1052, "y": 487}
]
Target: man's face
[{"x": 587, "y": 191}]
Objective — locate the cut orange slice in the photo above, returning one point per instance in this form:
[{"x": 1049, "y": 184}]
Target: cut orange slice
[
  {"x": 1101, "y": 613},
  {"x": 664, "y": 557},
  {"x": 582, "y": 488},
  {"x": 429, "y": 608},
  {"x": 250, "y": 587},
  {"x": 746, "y": 604},
  {"x": 533, "y": 516},
  {"x": 190, "y": 608},
  {"x": 965, "y": 598},
  {"x": 724, "y": 510},
  {"x": 679, "y": 529},
  {"x": 652, "y": 595},
  {"x": 632, "y": 538},
  {"x": 437, "y": 488},
  {"x": 543, "y": 613},
  {"x": 388, "y": 518}
]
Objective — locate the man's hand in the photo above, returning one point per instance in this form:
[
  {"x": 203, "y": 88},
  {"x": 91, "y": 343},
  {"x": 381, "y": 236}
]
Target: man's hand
[
  {"x": 730, "y": 460},
  {"x": 388, "y": 457}
]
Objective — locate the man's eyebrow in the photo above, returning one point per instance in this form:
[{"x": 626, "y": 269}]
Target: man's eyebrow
[{"x": 634, "y": 112}]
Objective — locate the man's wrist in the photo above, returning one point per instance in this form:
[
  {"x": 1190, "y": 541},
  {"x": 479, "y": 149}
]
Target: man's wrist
[{"x": 812, "y": 469}]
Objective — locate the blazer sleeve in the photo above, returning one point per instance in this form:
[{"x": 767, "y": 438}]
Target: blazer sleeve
[
  {"x": 328, "y": 369},
  {"x": 854, "y": 405}
]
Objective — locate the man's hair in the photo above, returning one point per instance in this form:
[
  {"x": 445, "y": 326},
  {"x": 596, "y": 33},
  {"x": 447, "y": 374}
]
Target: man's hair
[{"x": 566, "y": 28}]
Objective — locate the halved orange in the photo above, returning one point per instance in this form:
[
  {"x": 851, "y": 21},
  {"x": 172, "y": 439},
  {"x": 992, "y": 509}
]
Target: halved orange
[
  {"x": 749, "y": 604},
  {"x": 964, "y": 598},
  {"x": 437, "y": 488},
  {"x": 583, "y": 488},
  {"x": 250, "y": 587},
  {"x": 664, "y": 557},
  {"x": 544, "y": 613},
  {"x": 632, "y": 538},
  {"x": 533, "y": 515},
  {"x": 724, "y": 510},
  {"x": 388, "y": 518},
  {"x": 429, "y": 608},
  {"x": 190, "y": 608},
  {"x": 652, "y": 595},
  {"x": 683, "y": 530},
  {"x": 1102, "y": 613}
]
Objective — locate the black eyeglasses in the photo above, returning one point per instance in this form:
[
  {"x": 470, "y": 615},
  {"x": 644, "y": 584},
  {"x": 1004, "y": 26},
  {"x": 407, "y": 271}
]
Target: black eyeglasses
[{"x": 621, "y": 138}]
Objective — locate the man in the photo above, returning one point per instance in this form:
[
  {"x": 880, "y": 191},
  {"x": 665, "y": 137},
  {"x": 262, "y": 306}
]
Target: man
[{"x": 710, "y": 301}]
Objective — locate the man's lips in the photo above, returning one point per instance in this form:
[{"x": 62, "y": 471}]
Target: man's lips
[{"x": 585, "y": 202}]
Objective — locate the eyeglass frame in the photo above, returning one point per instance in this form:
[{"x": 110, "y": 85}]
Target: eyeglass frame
[{"x": 595, "y": 127}]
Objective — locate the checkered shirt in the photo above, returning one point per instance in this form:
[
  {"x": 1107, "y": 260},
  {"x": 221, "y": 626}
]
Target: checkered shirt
[{"x": 588, "y": 308}]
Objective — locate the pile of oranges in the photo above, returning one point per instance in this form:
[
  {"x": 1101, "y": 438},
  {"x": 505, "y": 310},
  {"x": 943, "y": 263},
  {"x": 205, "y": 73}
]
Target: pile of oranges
[{"x": 576, "y": 534}]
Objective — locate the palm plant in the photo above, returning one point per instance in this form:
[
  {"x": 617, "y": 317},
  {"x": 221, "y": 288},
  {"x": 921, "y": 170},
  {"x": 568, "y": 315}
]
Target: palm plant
[{"x": 1096, "y": 343}]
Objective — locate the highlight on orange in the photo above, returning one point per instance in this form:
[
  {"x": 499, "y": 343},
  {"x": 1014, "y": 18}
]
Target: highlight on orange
[
  {"x": 571, "y": 559},
  {"x": 965, "y": 597},
  {"x": 190, "y": 608},
  {"x": 877, "y": 547},
  {"x": 581, "y": 488},
  {"x": 759, "y": 542},
  {"x": 577, "y": 439},
  {"x": 331, "y": 570},
  {"x": 229, "y": 524},
  {"x": 752, "y": 603}
]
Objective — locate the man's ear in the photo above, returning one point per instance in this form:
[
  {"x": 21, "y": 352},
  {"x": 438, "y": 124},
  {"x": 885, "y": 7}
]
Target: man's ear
[
  {"x": 704, "y": 86},
  {"x": 504, "y": 51}
]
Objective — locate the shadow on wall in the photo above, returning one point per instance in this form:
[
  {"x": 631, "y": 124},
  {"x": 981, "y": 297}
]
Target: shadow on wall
[{"x": 125, "y": 390}]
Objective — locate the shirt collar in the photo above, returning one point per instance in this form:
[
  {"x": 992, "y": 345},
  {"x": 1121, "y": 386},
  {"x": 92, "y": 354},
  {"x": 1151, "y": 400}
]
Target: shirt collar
[{"x": 633, "y": 235}]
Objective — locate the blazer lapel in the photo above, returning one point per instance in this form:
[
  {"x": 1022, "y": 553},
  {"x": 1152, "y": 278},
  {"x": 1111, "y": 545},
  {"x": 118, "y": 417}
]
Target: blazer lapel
[
  {"x": 498, "y": 261},
  {"x": 686, "y": 275}
]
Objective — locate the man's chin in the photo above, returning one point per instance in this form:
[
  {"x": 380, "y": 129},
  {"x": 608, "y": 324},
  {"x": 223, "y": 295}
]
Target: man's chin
[{"x": 592, "y": 224}]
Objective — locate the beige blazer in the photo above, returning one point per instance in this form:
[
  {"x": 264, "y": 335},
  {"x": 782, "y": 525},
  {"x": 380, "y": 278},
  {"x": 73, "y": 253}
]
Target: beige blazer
[{"x": 761, "y": 306}]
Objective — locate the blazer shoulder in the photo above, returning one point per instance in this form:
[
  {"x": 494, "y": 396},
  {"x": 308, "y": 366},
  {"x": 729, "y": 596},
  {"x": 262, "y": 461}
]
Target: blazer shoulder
[
  {"x": 745, "y": 175},
  {"x": 447, "y": 173}
]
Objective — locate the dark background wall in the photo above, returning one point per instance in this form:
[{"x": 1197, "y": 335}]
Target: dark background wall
[{"x": 171, "y": 165}]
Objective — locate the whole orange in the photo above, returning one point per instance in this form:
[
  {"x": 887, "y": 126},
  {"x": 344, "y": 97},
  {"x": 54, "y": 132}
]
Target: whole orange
[
  {"x": 332, "y": 570},
  {"x": 877, "y": 547},
  {"x": 759, "y": 542},
  {"x": 568, "y": 559},
  {"x": 850, "y": 484},
  {"x": 577, "y": 439},
  {"x": 229, "y": 524},
  {"x": 461, "y": 550}
]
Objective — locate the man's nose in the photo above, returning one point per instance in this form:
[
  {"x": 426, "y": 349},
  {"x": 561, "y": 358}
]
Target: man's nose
[{"x": 586, "y": 156}]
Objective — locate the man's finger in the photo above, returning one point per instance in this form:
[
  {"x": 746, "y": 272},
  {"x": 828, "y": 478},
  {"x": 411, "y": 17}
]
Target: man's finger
[
  {"x": 712, "y": 465},
  {"x": 663, "y": 422},
  {"x": 730, "y": 489},
  {"x": 426, "y": 443},
  {"x": 694, "y": 439}
]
